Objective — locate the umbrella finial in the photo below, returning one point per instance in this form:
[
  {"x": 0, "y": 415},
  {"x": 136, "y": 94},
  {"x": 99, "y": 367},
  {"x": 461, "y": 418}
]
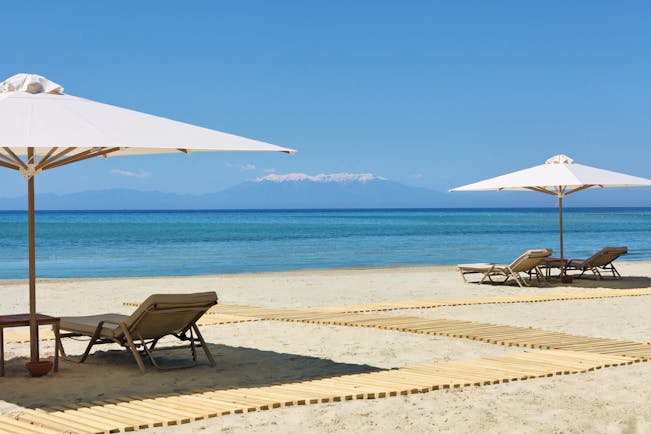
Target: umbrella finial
[
  {"x": 559, "y": 159},
  {"x": 30, "y": 83}
]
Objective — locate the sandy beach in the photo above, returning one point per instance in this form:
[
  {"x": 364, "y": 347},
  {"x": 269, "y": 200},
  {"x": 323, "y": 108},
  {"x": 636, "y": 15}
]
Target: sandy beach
[{"x": 272, "y": 352}]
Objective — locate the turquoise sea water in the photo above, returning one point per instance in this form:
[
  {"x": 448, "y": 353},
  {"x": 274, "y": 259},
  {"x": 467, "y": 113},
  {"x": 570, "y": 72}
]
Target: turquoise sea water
[{"x": 155, "y": 243}]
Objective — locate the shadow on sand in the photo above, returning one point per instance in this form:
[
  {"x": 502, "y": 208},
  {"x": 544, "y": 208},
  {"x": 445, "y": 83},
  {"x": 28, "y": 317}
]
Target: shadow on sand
[
  {"x": 628, "y": 282},
  {"x": 114, "y": 375}
]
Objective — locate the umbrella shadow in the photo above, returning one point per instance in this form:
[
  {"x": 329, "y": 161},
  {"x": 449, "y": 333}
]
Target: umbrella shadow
[
  {"x": 114, "y": 375},
  {"x": 628, "y": 282}
]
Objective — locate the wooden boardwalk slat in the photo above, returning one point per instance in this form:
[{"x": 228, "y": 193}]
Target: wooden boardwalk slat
[
  {"x": 13, "y": 426},
  {"x": 136, "y": 417},
  {"x": 56, "y": 423}
]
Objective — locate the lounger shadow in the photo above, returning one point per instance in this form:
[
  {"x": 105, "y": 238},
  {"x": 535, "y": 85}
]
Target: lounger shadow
[{"x": 158, "y": 316}]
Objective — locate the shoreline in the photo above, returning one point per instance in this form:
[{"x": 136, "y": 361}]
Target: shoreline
[
  {"x": 314, "y": 271},
  {"x": 227, "y": 275}
]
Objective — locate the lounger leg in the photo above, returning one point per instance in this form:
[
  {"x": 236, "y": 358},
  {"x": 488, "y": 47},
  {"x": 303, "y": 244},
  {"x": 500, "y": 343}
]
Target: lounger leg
[
  {"x": 516, "y": 277},
  {"x": 193, "y": 347},
  {"x": 615, "y": 272},
  {"x": 531, "y": 273},
  {"x": 487, "y": 275},
  {"x": 62, "y": 352},
  {"x": 93, "y": 339},
  {"x": 203, "y": 345},
  {"x": 524, "y": 282},
  {"x": 596, "y": 272},
  {"x": 611, "y": 267},
  {"x": 149, "y": 351},
  {"x": 540, "y": 277},
  {"x": 57, "y": 345},
  {"x": 132, "y": 347}
]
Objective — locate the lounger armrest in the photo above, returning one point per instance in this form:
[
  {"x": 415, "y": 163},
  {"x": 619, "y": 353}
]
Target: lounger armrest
[
  {"x": 100, "y": 327},
  {"x": 101, "y": 323}
]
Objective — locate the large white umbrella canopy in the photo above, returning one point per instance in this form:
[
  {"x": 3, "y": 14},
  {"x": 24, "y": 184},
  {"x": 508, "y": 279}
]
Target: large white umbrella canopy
[
  {"x": 34, "y": 112},
  {"x": 42, "y": 128},
  {"x": 559, "y": 176}
]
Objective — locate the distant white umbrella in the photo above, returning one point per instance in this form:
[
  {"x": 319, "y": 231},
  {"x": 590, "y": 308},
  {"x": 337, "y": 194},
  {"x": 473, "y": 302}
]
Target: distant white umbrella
[
  {"x": 559, "y": 177},
  {"x": 51, "y": 129}
]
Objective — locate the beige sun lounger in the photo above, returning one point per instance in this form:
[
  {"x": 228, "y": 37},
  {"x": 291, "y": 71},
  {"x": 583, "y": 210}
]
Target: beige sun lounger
[
  {"x": 158, "y": 316},
  {"x": 528, "y": 263},
  {"x": 602, "y": 260}
]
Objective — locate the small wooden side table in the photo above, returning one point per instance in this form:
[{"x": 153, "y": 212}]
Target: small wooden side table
[
  {"x": 22, "y": 320},
  {"x": 549, "y": 263}
]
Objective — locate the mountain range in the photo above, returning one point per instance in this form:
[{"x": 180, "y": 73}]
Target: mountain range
[{"x": 299, "y": 191}]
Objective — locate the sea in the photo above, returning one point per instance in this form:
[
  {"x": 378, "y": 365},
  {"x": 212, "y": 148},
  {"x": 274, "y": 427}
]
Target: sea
[{"x": 73, "y": 244}]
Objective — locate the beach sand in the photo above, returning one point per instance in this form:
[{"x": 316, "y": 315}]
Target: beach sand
[{"x": 268, "y": 352}]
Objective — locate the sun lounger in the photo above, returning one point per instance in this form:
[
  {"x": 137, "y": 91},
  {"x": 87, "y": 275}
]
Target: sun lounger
[
  {"x": 528, "y": 263},
  {"x": 158, "y": 316},
  {"x": 600, "y": 261}
]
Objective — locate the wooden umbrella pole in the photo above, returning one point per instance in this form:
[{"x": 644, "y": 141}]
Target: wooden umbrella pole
[
  {"x": 31, "y": 229},
  {"x": 560, "y": 218}
]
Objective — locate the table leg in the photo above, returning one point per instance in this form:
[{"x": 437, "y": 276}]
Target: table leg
[
  {"x": 57, "y": 345},
  {"x": 2, "y": 352}
]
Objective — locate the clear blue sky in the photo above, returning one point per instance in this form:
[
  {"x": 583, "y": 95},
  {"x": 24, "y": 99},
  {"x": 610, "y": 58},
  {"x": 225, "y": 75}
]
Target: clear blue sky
[{"x": 427, "y": 93}]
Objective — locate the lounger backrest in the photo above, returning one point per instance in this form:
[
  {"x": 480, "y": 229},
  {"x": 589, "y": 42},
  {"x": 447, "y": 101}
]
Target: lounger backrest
[
  {"x": 529, "y": 260},
  {"x": 605, "y": 256},
  {"x": 163, "y": 314}
]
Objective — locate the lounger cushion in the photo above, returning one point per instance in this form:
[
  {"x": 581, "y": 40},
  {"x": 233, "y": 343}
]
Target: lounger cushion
[
  {"x": 161, "y": 325},
  {"x": 603, "y": 257},
  {"x": 479, "y": 267},
  {"x": 576, "y": 263},
  {"x": 526, "y": 262},
  {"x": 87, "y": 325},
  {"x": 162, "y": 301}
]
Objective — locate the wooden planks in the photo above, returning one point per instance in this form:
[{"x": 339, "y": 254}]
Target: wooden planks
[
  {"x": 233, "y": 313},
  {"x": 224, "y": 314},
  {"x": 484, "y": 332},
  {"x": 525, "y": 298},
  {"x": 142, "y": 412},
  {"x": 11, "y": 425},
  {"x": 236, "y": 313}
]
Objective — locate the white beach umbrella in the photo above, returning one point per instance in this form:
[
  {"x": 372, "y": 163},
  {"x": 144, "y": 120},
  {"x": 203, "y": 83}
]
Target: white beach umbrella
[
  {"x": 559, "y": 177},
  {"x": 42, "y": 128}
]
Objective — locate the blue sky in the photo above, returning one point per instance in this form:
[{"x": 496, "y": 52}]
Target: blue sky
[{"x": 427, "y": 93}]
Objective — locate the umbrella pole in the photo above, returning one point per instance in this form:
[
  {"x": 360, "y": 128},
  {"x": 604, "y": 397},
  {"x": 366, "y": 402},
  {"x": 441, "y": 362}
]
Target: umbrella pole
[
  {"x": 33, "y": 328},
  {"x": 560, "y": 221}
]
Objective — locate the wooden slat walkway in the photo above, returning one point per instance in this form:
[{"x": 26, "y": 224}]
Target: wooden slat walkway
[
  {"x": 491, "y": 333},
  {"x": 138, "y": 412},
  {"x": 512, "y": 336},
  {"x": 500, "y": 299},
  {"x": 236, "y": 313},
  {"x": 562, "y": 354},
  {"x": 233, "y": 313}
]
